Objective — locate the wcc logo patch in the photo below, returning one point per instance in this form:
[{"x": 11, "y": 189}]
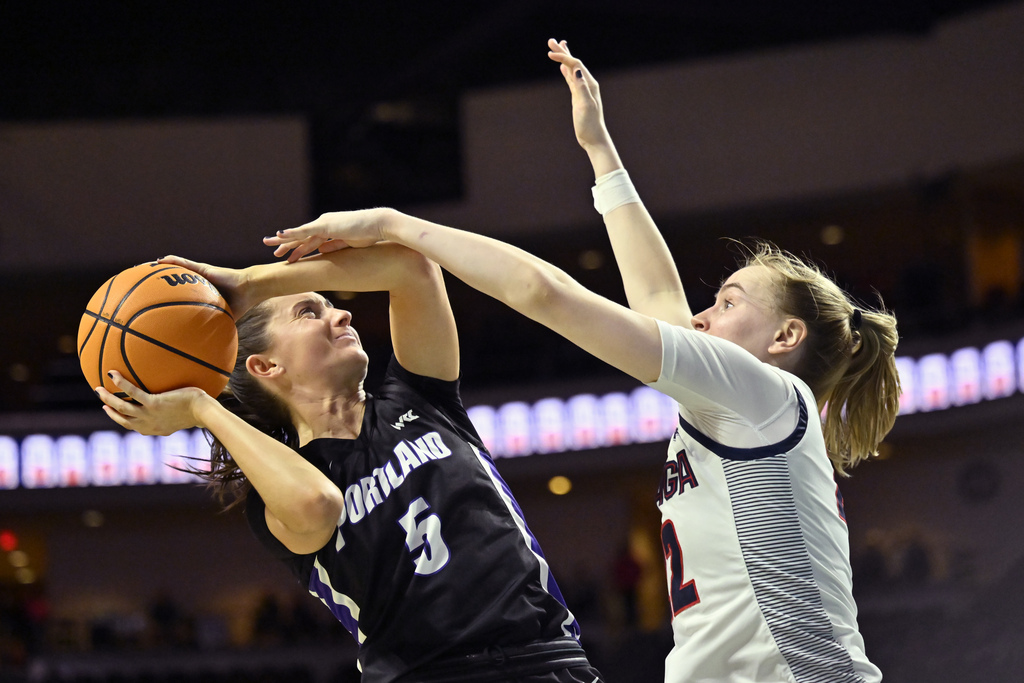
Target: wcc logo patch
[{"x": 404, "y": 419}]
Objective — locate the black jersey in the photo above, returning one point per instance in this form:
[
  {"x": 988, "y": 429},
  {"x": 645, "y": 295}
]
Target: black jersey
[{"x": 432, "y": 556}]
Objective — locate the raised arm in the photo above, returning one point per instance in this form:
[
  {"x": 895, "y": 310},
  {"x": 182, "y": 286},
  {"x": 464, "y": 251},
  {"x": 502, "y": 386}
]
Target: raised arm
[
  {"x": 648, "y": 270},
  {"x": 423, "y": 331},
  {"x": 625, "y": 339},
  {"x": 303, "y": 505}
]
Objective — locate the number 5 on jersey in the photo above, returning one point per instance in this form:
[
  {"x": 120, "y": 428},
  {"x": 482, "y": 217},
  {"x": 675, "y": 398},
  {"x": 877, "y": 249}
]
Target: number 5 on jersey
[{"x": 423, "y": 534}]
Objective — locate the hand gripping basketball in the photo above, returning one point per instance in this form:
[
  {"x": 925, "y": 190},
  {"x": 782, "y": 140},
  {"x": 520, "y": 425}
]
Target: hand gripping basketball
[
  {"x": 160, "y": 325},
  {"x": 150, "y": 414}
]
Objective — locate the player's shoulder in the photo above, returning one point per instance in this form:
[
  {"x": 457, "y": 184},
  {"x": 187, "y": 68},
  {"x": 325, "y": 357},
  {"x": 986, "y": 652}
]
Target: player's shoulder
[{"x": 401, "y": 384}]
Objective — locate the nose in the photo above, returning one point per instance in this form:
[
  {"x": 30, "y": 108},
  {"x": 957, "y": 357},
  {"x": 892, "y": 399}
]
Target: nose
[
  {"x": 700, "y": 322},
  {"x": 342, "y": 317}
]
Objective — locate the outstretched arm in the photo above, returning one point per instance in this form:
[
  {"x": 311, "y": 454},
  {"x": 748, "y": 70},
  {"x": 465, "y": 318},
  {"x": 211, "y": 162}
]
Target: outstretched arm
[
  {"x": 423, "y": 331},
  {"x": 648, "y": 271},
  {"x": 625, "y": 339}
]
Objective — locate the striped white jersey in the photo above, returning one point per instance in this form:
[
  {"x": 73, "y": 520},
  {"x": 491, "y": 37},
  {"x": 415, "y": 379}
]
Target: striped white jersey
[{"x": 753, "y": 528}]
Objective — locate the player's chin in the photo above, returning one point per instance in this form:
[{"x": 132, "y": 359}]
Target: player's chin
[{"x": 354, "y": 354}]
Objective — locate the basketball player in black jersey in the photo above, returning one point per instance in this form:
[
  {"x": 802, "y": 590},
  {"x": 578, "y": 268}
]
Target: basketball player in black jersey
[{"x": 386, "y": 506}]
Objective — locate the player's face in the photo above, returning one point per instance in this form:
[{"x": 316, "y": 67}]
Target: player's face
[
  {"x": 314, "y": 342},
  {"x": 744, "y": 312}
]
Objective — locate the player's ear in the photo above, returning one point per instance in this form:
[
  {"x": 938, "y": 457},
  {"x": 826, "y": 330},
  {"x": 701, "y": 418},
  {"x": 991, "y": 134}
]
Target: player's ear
[
  {"x": 261, "y": 367},
  {"x": 789, "y": 336}
]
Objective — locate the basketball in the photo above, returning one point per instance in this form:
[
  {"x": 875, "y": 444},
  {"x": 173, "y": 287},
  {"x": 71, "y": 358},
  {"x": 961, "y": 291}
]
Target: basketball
[{"x": 162, "y": 327}]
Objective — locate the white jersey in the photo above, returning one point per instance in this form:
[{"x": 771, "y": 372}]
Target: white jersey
[{"x": 753, "y": 528}]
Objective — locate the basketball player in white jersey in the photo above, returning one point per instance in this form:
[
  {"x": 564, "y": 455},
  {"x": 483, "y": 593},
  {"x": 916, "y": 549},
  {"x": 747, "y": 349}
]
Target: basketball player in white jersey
[{"x": 754, "y": 533}]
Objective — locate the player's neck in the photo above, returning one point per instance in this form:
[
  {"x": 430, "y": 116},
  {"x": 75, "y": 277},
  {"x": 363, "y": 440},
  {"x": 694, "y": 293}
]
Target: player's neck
[{"x": 334, "y": 417}]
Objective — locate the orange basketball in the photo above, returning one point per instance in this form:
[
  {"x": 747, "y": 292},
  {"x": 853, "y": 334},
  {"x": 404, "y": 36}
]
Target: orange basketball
[{"x": 162, "y": 327}]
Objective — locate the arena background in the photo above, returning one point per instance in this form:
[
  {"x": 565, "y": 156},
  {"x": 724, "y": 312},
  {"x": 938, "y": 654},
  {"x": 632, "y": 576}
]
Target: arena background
[{"x": 883, "y": 139}]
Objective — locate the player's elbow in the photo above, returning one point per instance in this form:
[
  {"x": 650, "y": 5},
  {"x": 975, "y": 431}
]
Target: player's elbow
[
  {"x": 540, "y": 291},
  {"x": 316, "y": 510},
  {"x": 304, "y": 525},
  {"x": 411, "y": 260},
  {"x": 415, "y": 269}
]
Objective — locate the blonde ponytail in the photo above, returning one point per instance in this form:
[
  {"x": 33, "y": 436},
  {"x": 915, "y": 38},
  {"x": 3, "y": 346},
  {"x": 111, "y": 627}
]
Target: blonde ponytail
[
  {"x": 863, "y": 403},
  {"x": 849, "y": 362}
]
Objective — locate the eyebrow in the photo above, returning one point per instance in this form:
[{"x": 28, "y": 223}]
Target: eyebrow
[
  {"x": 727, "y": 285},
  {"x": 322, "y": 303}
]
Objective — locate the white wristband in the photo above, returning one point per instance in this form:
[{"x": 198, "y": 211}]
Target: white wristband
[{"x": 612, "y": 190}]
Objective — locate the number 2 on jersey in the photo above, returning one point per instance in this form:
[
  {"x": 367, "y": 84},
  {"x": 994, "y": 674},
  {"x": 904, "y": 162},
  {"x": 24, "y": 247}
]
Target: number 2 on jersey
[
  {"x": 682, "y": 593},
  {"x": 424, "y": 533}
]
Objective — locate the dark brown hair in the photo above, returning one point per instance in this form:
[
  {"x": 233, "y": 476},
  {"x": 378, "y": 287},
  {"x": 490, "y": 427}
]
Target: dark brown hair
[{"x": 246, "y": 397}]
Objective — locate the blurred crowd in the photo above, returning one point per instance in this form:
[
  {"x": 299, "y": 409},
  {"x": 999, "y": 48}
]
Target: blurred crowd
[{"x": 287, "y": 637}]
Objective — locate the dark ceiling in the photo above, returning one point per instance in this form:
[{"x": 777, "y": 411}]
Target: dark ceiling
[
  {"x": 332, "y": 63},
  {"x": 128, "y": 59}
]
